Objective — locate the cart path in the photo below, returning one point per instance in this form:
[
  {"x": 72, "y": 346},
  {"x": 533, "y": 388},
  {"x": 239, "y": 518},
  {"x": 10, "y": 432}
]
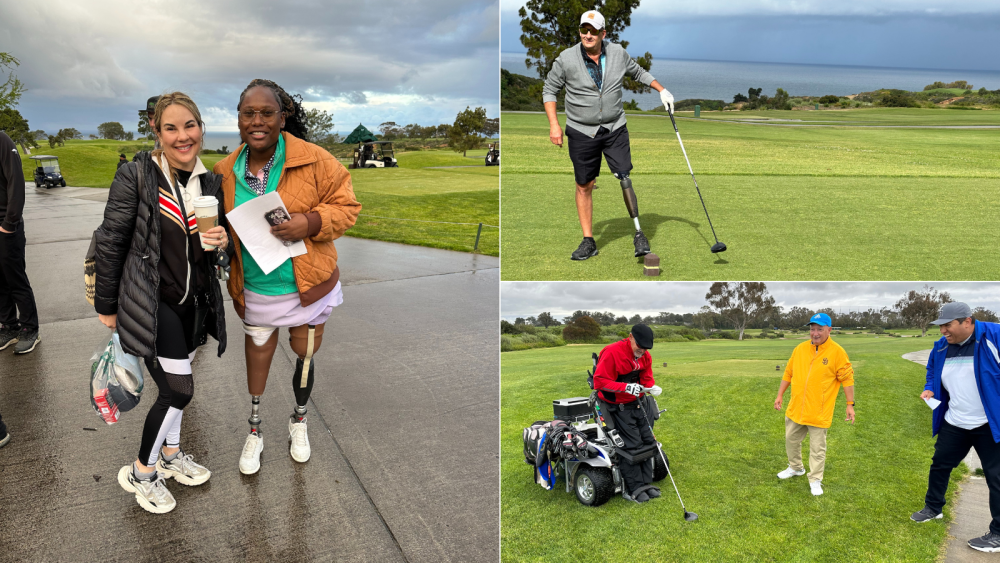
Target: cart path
[
  {"x": 385, "y": 482},
  {"x": 971, "y": 507}
]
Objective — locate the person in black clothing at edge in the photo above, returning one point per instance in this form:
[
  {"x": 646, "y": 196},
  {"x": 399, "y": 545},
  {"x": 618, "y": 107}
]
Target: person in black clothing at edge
[
  {"x": 624, "y": 369},
  {"x": 160, "y": 291},
  {"x": 17, "y": 302},
  {"x": 122, "y": 160}
]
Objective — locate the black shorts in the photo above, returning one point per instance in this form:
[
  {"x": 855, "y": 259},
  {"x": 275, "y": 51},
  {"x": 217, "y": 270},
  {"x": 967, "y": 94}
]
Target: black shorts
[{"x": 586, "y": 152}]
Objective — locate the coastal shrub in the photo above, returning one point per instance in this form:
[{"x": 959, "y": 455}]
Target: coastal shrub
[
  {"x": 829, "y": 99},
  {"x": 895, "y": 99},
  {"x": 583, "y": 328},
  {"x": 529, "y": 338},
  {"x": 725, "y": 335},
  {"x": 506, "y": 343}
]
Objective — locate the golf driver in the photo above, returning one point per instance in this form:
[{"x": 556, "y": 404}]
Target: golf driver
[
  {"x": 718, "y": 246},
  {"x": 688, "y": 516}
]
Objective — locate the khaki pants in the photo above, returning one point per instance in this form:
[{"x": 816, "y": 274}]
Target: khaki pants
[{"x": 794, "y": 434}]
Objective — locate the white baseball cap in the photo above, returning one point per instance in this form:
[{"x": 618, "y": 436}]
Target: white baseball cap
[{"x": 593, "y": 18}]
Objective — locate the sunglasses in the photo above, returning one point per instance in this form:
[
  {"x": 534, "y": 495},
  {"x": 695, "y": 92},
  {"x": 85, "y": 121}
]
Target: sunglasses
[{"x": 589, "y": 31}]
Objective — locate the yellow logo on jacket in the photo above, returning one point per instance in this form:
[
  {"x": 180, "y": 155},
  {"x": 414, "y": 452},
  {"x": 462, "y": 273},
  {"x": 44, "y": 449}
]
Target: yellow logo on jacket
[{"x": 826, "y": 361}]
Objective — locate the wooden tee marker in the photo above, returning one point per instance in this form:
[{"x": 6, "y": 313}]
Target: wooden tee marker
[{"x": 651, "y": 265}]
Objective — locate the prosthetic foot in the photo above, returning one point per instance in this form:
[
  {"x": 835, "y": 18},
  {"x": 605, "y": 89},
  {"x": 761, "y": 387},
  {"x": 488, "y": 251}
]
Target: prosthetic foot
[
  {"x": 305, "y": 341},
  {"x": 250, "y": 457},
  {"x": 632, "y": 204}
]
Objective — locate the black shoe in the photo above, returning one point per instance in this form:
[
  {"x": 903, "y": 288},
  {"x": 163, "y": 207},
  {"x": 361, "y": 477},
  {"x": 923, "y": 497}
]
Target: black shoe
[
  {"x": 653, "y": 493},
  {"x": 641, "y": 244},
  {"x": 642, "y": 497},
  {"x": 27, "y": 341},
  {"x": 989, "y": 543},
  {"x": 8, "y": 336},
  {"x": 5, "y": 439},
  {"x": 926, "y": 515},
  {"x": 587, "y": 249}
]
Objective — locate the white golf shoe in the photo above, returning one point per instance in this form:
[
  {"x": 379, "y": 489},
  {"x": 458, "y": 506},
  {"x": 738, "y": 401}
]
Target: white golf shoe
[
  {"x": 789, "y": 472},
  {"x": 299, "y": 447},
  {"x": 250, "y": 458},
  {"x": 816, "y": 487}
]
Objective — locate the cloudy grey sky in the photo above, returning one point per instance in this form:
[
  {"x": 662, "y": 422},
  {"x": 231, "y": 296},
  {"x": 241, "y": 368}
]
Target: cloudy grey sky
[
  {"x": 396, "y": 60},
  {"x": 928, "y": 34},
  {"x": 524, "y": 299}
]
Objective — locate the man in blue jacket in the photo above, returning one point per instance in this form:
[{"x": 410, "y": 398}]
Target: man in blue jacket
[{"x": 963, "y": 372}]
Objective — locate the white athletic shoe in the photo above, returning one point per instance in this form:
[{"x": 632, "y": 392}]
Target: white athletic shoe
[
  {"x": 789, "y": 472},
  {"x": 816, "y": 487},
  {"x": 152, "y": 494},
  {"x": 250, "y": 458},
  {"x": 299, "y": 447},
  {"x": 183, "y": 469}
]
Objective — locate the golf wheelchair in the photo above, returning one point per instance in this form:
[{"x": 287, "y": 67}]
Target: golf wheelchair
[
  {"x": 582, "y": 447},
  {"x": 493, "y": 154}
]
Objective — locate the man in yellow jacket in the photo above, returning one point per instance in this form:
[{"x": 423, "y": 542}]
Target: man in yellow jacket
[{"x": 815, "y": 373}]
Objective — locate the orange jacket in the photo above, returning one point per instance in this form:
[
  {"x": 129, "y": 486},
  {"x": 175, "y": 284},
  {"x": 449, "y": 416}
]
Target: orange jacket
[
  {"x": 816, "y": 374},
  {"x": 312, "y": 182}
]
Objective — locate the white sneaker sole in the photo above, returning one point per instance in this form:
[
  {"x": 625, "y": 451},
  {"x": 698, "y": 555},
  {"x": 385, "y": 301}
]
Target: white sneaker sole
[
  {"x": 254, "y": 466},
  {"x": 11, "y": 343},
  {"x": 985, "y": 549},
  {"x": 780, "y": 476},
  {"x": 123, "y": 481},
  {"x": 938, "y": 517},
  {"x": 291, "y": 450},
  {"x": 180, "y": 477}
]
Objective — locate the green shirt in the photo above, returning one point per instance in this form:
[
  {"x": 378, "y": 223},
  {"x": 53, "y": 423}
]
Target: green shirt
[{"x": 281, "y": 280}]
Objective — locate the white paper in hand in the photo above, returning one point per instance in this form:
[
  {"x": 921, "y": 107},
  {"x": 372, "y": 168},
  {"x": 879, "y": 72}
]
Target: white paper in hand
[
  {"x": 932, "y": 403},
  {"x": 250, "y": 223}
]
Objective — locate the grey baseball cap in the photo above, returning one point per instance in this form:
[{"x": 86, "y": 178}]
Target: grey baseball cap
[{"x": 952, "y": 311}]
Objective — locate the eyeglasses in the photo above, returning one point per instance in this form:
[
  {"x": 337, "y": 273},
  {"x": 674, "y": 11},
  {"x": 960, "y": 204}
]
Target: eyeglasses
[
  {"x": 247, "y": 115},
  {"x": 584, "y": 30}
]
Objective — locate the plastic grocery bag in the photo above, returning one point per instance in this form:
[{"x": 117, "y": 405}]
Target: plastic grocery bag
[{"x": 116, "y": 380}]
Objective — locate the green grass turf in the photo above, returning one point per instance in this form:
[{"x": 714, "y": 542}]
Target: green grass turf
[
  {"x": 826, "y": 203},
  {"x": 859, "y": 117},
  {"x": 461, "y": 195},
  {"x": 726, "y": 443}
]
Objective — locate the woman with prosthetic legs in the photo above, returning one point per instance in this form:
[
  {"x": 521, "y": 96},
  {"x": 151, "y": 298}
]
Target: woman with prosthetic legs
[{"x": 301, "y": 293}]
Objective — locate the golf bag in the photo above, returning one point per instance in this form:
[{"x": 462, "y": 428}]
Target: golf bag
[{"x": 548, "y": 443}]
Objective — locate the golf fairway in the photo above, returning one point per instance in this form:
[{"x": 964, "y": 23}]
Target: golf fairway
[{"x": 791, "y": 203}]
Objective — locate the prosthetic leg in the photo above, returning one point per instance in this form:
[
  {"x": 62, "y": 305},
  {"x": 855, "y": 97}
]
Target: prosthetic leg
[
  {"x": 305, "y": 341},
  {"x": 632, "y": 204},
  {"x": 260, "y": 345}
]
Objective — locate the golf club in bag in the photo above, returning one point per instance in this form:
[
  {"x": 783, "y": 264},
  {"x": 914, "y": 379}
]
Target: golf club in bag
[
  {"x": 718, "y": 246},
  {"x": 689, "y": 516}
]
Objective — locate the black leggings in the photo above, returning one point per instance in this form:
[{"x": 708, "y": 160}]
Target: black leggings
[{"x": 172, "y": 373}]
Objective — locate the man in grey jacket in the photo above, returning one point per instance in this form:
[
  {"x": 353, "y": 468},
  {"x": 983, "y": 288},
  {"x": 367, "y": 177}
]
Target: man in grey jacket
[{"x": 593, "y": 72}]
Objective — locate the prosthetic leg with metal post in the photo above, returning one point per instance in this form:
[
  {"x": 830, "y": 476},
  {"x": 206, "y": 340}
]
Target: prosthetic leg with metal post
[
  {"x": 632, "y": 204},
  {"x": 259, "y": 347},
  {"x": 305, "y": 341}
]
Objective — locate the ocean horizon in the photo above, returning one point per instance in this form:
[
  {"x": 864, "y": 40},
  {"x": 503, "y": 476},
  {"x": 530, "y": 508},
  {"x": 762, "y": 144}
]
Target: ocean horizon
[{"x": 721, "y": 80}]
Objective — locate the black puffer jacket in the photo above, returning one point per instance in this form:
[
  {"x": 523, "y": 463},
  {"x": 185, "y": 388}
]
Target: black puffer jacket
[{"x": 128, "y": 255}]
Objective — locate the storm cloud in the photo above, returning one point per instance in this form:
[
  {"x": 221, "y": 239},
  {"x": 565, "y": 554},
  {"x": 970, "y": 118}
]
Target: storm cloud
[{"x": 398, "y": 60}]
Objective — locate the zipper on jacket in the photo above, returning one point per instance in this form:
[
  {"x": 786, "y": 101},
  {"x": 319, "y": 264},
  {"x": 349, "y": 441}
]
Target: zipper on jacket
[
  {"x": 187, "y": 240},
  {"x": 802, "y": 407}
]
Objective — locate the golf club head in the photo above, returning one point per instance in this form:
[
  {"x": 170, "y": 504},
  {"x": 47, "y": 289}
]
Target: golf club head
[
  {"x": 690, "y": 516},
  {"x": 718, "y": 247}
]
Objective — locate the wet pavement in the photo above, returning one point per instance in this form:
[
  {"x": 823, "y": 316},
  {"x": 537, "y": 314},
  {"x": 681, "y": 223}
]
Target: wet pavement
[{"x": 402, "y": 421}]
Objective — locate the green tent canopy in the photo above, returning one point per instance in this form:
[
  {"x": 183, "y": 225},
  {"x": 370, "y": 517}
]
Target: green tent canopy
[{"x": 361, "y": 134}]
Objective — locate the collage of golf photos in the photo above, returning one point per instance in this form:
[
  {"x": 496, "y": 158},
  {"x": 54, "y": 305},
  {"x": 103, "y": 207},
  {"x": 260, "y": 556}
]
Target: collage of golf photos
[{"x": 748, "y": 305}]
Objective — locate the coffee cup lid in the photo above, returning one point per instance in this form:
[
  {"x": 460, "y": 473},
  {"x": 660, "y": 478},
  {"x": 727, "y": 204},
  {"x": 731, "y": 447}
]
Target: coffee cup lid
[{"x": 205, "y": 201}]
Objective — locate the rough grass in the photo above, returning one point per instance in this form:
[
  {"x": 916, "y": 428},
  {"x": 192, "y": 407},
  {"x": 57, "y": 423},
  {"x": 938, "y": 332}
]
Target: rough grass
[
  {"x": 861, "y": 117},
  {"x": 726, "y": 443},
  {"x": 810, "y": 203}
]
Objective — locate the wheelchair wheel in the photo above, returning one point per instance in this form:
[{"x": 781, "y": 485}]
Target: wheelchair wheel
[
  {"x": 594, "y": 486},
  {"x": 659, "y": 469}
]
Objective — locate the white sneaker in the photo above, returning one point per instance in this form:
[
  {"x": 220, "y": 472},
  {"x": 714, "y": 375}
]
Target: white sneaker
[
  {"x": 816, "y": 487},
  {"x": 250, "y": 458},
  {"x": 152, "y": 494},
  {"x": 299, "y": 447},
  {"x": 789, "y": 472},
  {"x": 183, "y": 469}
]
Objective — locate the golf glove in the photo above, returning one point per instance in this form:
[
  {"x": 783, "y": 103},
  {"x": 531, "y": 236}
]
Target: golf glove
[
  {"x": 668, "y": 100},
  {"x": 655, "y": 390},
  {"x": 634, "y": 389}
]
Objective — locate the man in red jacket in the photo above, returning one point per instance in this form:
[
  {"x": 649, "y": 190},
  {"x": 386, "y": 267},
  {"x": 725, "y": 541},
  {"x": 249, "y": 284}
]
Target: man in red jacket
[{"x": 624, "y": 369}]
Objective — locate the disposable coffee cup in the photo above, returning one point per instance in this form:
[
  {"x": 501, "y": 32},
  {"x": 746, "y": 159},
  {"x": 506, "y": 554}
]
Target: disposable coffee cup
[{"x": 206, "y": 212}]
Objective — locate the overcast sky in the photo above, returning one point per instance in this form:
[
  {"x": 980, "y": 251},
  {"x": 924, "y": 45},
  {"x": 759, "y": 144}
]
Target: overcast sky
[
  {"x": 395, "y": 60},
  {"x": 928, "y": 34},
  {"x": 524, "y": 299}
]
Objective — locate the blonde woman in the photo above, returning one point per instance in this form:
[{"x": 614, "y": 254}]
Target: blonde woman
[{"x": 157, "y": 286}]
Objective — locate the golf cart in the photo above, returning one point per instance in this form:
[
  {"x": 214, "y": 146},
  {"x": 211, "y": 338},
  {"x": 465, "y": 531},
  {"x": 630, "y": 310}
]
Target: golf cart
[
  {"x": 374, "y": 154},
  {"x": 47, "y": 174},
  {"x": 493, "y": 154}
]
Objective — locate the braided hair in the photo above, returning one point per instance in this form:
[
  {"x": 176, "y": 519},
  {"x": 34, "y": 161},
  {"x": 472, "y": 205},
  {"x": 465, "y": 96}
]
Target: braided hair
[{"x": 295, "y": 116}]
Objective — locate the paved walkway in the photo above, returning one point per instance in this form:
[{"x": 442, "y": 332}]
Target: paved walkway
[
  {"x": 406, "y": 390},
  {"x": 971, "y": 508}
]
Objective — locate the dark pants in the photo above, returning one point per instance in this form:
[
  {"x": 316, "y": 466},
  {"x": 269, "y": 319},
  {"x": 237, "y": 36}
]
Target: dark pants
[
  {"x": 15, "y": 291},
  {"x": 3, "y": 428},
  {"x": 634, "y": 430},
  {"x": 952, "y": 446},
  {"x": 585, "y": 152}
]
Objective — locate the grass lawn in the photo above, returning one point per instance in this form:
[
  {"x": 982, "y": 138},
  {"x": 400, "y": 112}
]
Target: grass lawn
[
  {"x": 862, "y": 117},
  {"x": 458, "y": 195},
  {"x": 792, "y": 203},
  {"x": 726, "y": 443}
]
